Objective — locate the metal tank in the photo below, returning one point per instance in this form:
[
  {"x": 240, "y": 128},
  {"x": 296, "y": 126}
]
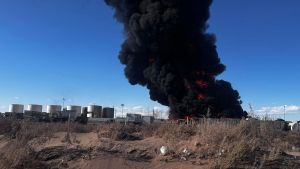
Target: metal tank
[
  {"x": 84, "y": 110},
  {"x": 95, "y": 110},
  {"x": 295, "y": 127},
  {"x": 75, "y": 109},
  {"x": 108, "y": 112},
  {"x": 51, "y": 109},
  {"x": 35, "y": 108},
  {"x": 16, "y": 108}
]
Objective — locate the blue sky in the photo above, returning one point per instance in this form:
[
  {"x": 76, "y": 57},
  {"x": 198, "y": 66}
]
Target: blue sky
[{"x": 51, "y": 49}]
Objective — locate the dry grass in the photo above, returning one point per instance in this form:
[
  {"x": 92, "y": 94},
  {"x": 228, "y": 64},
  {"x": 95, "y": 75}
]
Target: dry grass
[
  {"x": 248, "y": 144},
  {"x": 5, "y": 126},
  {"x": 120, "y": 132},
  {"x": 18, "y": 154}
]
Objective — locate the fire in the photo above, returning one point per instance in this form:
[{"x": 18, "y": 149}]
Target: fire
[
  {"x": 188, "y": 118},
  {"x": 202, "y": 83},
  {"x": 201, "y": 97}
]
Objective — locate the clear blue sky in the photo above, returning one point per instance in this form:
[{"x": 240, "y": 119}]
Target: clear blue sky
[{"x": 51, "y": 49}]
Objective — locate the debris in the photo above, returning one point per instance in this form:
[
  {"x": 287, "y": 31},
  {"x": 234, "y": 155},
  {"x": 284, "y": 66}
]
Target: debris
[
  {"x": 221, "y": 152},
  {"x": 52, "y": 153},
  {"x": 186, "y": 152},
  {"x": 183, "y": 158},
  {"x": 164, "y": 150}
]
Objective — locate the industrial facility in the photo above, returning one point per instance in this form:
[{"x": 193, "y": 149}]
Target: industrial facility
[{"x": 76, "y": 113}]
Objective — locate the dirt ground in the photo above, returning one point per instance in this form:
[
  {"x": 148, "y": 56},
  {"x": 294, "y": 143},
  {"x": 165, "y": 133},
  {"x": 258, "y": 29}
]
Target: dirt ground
[
  {"x": 113, "y": 146},
  {"x": 107, "y": 154},
  {"x": 121, "y": 163}
]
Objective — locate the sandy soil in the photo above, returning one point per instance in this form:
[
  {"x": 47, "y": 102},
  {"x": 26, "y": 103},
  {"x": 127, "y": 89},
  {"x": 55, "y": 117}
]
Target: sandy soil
[
  {"x": 3, "y": 141},
  {"x": 121, "y": 163},
  {"x": 295, "y": 154},
  {"x": 84, "y": 140},
  {"x": 102, "y": 160},
  {"x": 88, "y": 151}
]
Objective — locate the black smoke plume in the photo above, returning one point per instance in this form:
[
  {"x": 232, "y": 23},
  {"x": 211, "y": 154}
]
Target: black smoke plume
[{"x": 168, "y": 50}]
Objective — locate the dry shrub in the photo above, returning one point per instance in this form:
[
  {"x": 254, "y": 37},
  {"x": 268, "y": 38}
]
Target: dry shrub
[
  {"x": 81, "y": 128},
  {"x": 212, "y": 133},
  {"x": 18, "y": 153},
  {"x": 173, "y": 133},
  {"x": 18, "y": 156},
  {"x": 250, "y": 144},
  {"x": 29, "y": 131},
  {"x": 5, "y": 126},
  {"x": 247, "y": 144},
  {"x": 119, "y": 132},
  {"x": 149, "y": 130}
]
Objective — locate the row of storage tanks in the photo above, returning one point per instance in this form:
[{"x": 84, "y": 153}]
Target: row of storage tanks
[{"x": 94, "y": 110}]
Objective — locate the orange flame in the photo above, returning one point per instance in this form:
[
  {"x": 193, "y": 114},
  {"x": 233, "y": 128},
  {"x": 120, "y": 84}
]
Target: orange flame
[
  {"x": 202, "y": 83},
  {"x": 188, "y": 117},
  {"x": 201, "y": 97}
]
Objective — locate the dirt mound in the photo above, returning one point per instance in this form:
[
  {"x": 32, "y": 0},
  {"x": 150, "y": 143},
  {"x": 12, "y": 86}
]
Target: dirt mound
[{"x": 127, "y": 136}]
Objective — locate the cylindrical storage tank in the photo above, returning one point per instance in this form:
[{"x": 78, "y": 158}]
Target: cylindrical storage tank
[
  {"x": 53, "y": 109},
  {"x": 16, "y": 108},
  {"x": 35, "y": 108},
  {"x": 76, "y": 109},
  {"x": 295, "y": 127},
  {"x": 84, "y": 110},
  {"x": 95, "y": 110},
  {"x": 108, "y": 112}
]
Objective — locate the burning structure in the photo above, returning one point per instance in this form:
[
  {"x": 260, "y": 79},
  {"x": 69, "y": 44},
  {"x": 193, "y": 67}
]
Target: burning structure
[{"x": 168, "y": 50}]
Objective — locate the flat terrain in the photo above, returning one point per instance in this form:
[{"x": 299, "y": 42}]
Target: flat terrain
[{"x": 115, "y": 146}]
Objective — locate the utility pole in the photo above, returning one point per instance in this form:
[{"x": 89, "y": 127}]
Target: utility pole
[
  {"x": 63, "y": 103},
  {"x": 114, "y": 111},
  {"x": 122, "y": 105},
  {"x": 284, "y": 112}
]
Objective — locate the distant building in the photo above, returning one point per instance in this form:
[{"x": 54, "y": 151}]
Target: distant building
[
  {"x": 148, "y": 119},
  {"x": 134, "y": 118},
  {"x": 108, "y": 112}
]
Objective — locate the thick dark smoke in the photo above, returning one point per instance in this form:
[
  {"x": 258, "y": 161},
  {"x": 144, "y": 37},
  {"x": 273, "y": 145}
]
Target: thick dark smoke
[{"x": 168, "y": 50}]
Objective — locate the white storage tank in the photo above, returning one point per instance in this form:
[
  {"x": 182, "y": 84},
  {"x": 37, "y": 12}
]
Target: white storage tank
[
  {"x": 295, "y": 127},
  {"x": 95, "y": 110},
  {"x": 16, "y": 108},
  {"x": 84, "y": 109},
  {"x": 53, "y": 109},
  {"x": 35, "y": 108},
  {"x": 76, "y": 109}
]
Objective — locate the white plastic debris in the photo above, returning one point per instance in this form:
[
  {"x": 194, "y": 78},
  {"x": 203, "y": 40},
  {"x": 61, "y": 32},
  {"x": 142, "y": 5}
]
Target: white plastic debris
[
  {"x": 186, "y": 152},
  {"x": 221, "y": 152},
  {"x": 183, "y": 158},
  {"x": 164, "y": 150}
]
